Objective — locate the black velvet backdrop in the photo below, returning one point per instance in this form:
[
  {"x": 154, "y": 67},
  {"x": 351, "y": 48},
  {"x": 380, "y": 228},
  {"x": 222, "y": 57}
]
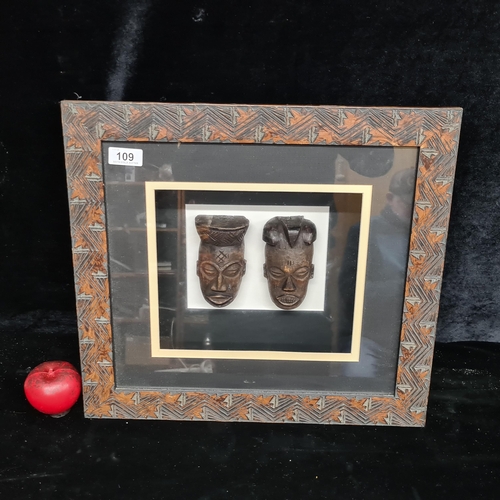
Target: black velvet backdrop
[
  {"x": 400, "y": 53},
  {"x": 349, "y": 52}
]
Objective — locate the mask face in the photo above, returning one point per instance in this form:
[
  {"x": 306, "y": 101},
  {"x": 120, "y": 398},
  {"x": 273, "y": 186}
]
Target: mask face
[
  {"x": 221, "y": 264},
  {"x": 288, "y": 272},
  {"x": 220, "y": 270},
  {"x": 289, "y": 254}
]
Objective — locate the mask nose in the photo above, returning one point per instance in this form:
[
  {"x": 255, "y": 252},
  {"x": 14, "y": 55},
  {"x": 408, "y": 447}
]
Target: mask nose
[
  {"x": 218, "y": 284},
  {"x": 289, "y": 286}
]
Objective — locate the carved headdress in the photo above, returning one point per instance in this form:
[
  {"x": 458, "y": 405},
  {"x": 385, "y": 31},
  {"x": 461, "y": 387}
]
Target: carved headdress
[
  {"x": 291, "y": 232},
  {"x": 221, "y": 230}
]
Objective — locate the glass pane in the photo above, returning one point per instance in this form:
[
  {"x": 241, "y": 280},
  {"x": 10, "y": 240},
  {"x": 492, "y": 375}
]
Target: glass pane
[{"x": 310, "y": 300}]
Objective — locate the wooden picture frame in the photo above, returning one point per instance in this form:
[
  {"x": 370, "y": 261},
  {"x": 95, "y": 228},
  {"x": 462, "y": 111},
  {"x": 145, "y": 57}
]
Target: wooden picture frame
[{"x": 91, "y": 128}]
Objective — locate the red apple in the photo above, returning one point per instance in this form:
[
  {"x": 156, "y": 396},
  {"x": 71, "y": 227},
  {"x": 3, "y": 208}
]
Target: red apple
[{"x": 53, "y": 387}]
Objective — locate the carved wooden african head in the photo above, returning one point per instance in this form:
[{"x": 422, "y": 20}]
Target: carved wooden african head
[
  {"x": 221, "y": 264},
  {"x": 289, "y": 254}
]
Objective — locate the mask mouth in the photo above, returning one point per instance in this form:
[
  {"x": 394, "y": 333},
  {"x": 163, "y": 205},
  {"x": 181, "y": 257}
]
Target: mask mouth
[
  {"x": 219, "y": 299},
  {"x": 288, "y": 300}
]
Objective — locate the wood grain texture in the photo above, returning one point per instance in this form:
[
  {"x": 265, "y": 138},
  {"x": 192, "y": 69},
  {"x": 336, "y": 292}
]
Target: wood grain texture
[{"x": 434, "y": 131}]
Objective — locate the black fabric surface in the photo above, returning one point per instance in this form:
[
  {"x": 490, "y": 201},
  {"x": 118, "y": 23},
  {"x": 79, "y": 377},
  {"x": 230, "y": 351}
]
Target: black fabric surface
[
  {"x": 454, "y": 456},
  {"x": 383, "y": 53},
  {"x": 392, "y": 53}
]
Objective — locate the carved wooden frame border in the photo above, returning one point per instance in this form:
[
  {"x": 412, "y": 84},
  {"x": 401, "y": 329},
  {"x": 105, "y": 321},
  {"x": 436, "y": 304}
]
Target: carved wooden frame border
[{"x": 434, "y": 131}]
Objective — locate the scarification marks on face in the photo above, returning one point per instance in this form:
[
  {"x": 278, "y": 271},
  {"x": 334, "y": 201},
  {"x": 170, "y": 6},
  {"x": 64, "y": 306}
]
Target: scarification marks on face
[{"x": 221, "y": 256}]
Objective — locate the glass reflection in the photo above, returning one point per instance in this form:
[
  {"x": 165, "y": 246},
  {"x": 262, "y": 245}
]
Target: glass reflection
[{"x": 385, "y": 280}]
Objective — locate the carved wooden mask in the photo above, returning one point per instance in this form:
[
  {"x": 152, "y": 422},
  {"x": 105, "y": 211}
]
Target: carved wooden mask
[
  {"x": 221, "y": 264},
  {"x": 289, "y": 253}
]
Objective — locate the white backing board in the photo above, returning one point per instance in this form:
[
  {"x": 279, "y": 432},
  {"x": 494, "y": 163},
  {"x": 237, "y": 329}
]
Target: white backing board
[{"x": 253, "y": 293}]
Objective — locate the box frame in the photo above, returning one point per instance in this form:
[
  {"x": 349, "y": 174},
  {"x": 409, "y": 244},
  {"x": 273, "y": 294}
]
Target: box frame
[{"x": 435, "y": 131}]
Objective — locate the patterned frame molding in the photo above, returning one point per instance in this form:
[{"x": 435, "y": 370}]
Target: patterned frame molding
[{"x": 434, "y": 131}]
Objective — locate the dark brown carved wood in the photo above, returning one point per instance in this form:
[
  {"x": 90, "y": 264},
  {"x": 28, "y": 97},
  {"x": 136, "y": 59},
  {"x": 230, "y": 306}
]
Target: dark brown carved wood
[
  {"x": 289, "y": 256},
  {"x": 434, "y": 131},
  {"x": 221, "y": 264}
]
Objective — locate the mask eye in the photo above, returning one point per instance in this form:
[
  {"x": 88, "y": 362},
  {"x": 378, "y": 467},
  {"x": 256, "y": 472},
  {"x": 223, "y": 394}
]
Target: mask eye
[
  {"x": 301, "y": 273},
  {"x": 276, "y": 272},
  {"x": 232, "y": 271},
  {"x": 209, "y": 269}
]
